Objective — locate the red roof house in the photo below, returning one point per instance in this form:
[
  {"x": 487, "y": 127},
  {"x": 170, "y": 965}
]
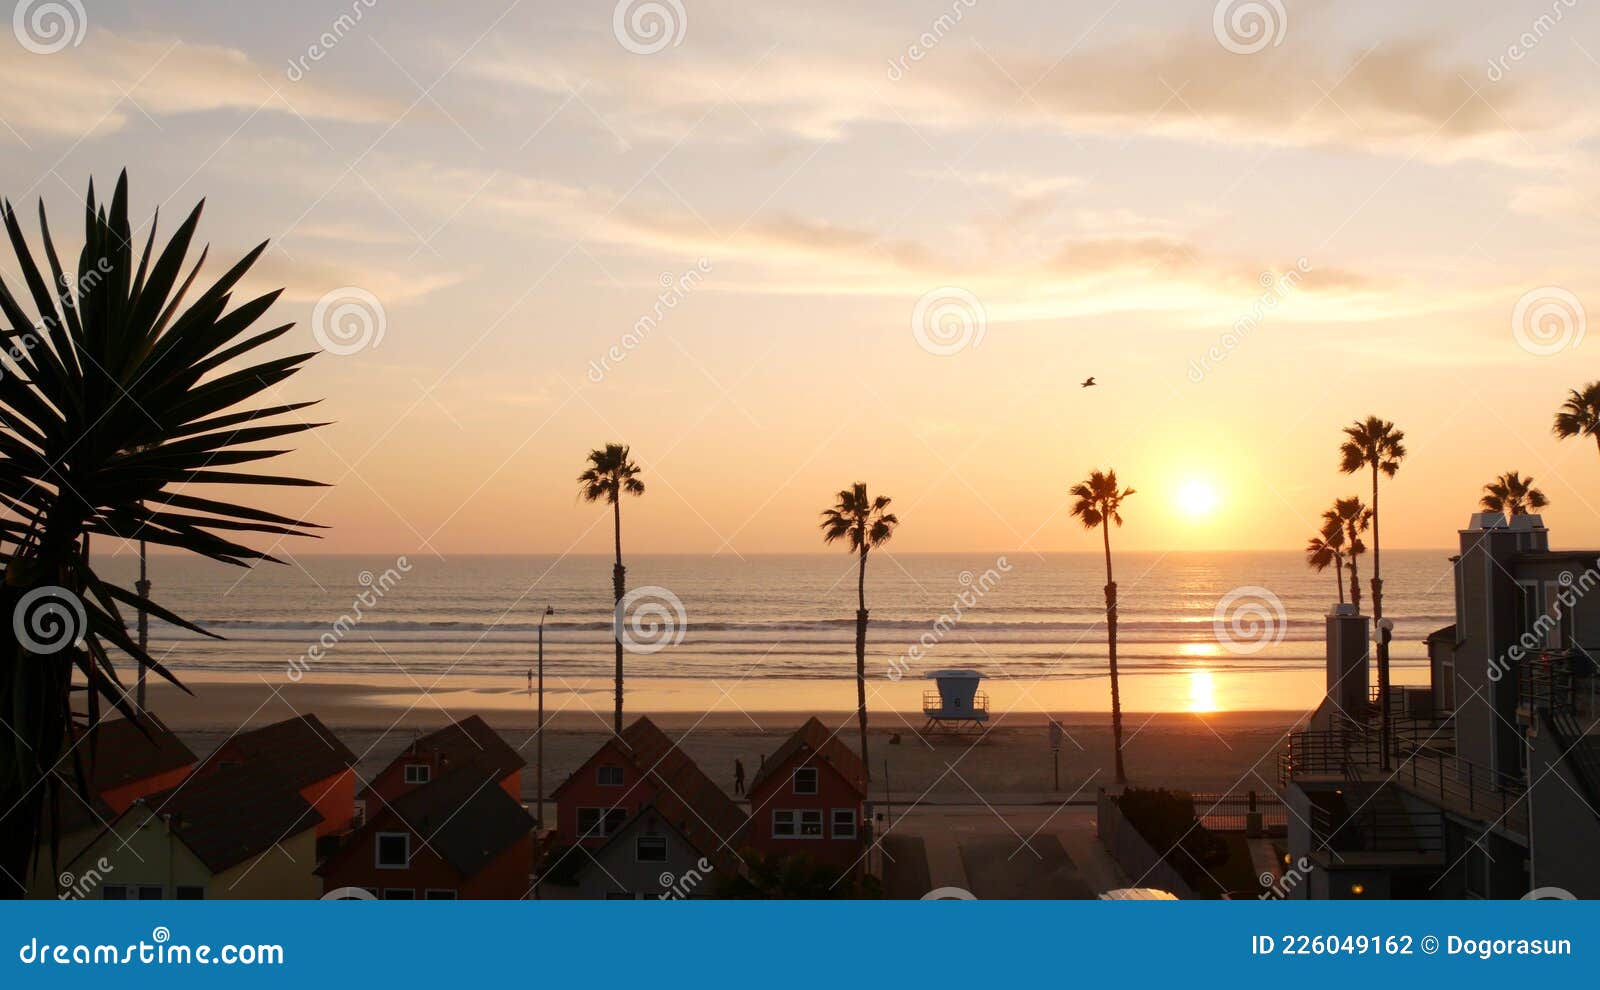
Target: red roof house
[
  {"x": 469, "y": 742},
  {"x": 305, "y": 753},
  {"x": 810, "y": 797}
]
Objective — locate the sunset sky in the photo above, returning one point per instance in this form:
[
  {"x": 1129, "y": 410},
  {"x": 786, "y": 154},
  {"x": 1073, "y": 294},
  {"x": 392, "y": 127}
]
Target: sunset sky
[{"x": 1103, "y": 188}]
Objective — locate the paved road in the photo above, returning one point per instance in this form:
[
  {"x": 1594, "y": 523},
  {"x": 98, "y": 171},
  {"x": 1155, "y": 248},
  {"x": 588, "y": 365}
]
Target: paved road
[{"x": 998, "y": 852}]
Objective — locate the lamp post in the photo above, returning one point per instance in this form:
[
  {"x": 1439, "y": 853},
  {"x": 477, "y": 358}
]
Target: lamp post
[
  {"x": 1385, "y": 728},
  {"x": 538, "y": 732},
  {"x": 142, "y": 587}
]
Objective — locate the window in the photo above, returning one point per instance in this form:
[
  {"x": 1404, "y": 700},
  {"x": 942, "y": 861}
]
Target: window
[
  {"x": 620, "y": 895},
  {"x": 393, "y": 850},
  {"x": 190, "y": 893},
  {"x": 399, "y": 894},
  {"x": 651, "y": 848},
  {"x": 600, "y": 822},
  {"x": 811, "y": 823},
  {"x": 151, "y": 893},
  {"x": 844, "y": 823},
  {"x": 113, "y": 892},
  {"x": 805, "y": 780},
  {"x": 783, "y": 824},
  {"x": 418, "y": 773},
  {"x": 439, "y": 895},
  {"x": 804, "y": 823},
  {"x": 610, "y": 776}
]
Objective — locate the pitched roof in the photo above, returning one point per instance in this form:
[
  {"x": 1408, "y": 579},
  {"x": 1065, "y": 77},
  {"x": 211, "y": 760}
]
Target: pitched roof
[
  {"x": 233, "y": 814},
  {"x": 814, "y": 738},
  {"x": 463, "y": 816},
  {"x": 721, "y": 850},
  {"x": 124, "y": 750},
  {"x": 299, "y": 750},
  {"x": 469, "y": 742}
]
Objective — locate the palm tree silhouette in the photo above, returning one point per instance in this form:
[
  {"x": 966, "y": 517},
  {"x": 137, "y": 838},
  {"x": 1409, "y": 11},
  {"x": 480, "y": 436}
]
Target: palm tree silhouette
[
  {"x": 1349, "y": 519},
  {"x": 1375, "y": 443},
  {"x": 1580, "y": 414},
  {"x": 1512, "y": 495},
  {"x": 609, "y": 475},
  {"x": 864, "y": 523},
  {"x": 1324, "y": 551},
  {"x": 1099, "y": 503}
]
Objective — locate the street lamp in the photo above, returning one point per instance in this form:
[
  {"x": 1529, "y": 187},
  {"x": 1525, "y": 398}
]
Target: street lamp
[{"x": 538, "y": 732}]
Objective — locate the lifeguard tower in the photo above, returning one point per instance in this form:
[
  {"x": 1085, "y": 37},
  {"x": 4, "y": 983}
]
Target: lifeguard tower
[{"x": 956, "y": 702}]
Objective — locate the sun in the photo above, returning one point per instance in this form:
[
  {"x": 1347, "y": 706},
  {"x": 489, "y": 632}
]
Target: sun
[{"x": 1197, "y": 498}]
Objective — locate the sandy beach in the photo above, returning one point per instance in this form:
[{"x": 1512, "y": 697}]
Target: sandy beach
[{"x": 1010, "y": 762}]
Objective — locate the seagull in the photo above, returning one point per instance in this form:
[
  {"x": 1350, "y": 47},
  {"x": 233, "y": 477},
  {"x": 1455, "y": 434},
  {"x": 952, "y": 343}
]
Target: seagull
[{"x": 1087, "y": 382}]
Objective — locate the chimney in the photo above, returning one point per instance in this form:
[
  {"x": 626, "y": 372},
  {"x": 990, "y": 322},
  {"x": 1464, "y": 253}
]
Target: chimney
[{"x": 1347, "y": 653}]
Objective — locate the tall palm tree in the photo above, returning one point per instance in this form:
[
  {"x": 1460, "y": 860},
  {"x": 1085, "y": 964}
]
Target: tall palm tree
[
  {"x": 864, "y": 524},
  {"x": 1349, "y": 519},
  {"x": 1580, "y": 414},
  {"x": 125, "y": 400},
  {"x": 610, "y": 474},
  {"x": 1375, "y": 444},
  {"x": 1326, "y": 550},
  {"x": 1099, "y": 503},
  {"x": 1512, "y": 495}
]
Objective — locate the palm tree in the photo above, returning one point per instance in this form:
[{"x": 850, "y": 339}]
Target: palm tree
[
  {"x": 1375, "y": 443},
  {"x": 125, "y": 400},
  {"x": 1512, "y": 495},
  {"x": 1324, "y": 551},
  {"x": 1099, "y": 503},
  {"x": 609, "y": 475},
  {"x": 1580, "y": 414},
  {"x": 1349, "y": 519},
  {"x": 863, "y": 523}
]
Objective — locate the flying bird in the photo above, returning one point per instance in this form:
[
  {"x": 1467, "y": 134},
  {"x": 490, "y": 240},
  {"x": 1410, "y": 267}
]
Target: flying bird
[{"x": 1087, "y": 382}]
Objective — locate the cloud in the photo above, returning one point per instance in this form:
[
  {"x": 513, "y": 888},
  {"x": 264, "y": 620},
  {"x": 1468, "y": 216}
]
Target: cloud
[
  {"x": 307, "y": 279},
  {"x": 112, "y": 80}
]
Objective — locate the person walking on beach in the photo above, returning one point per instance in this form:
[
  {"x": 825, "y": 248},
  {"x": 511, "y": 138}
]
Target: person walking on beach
[
  {"x": 530, "y": 679},
  {"x": 738, "y": 776}
]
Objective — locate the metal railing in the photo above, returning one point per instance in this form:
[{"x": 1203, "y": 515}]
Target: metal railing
[
  {"x": 1559, "y": 681},
  {"x": 933, "y": 702},
  {"x": 1378, "y": 830}
]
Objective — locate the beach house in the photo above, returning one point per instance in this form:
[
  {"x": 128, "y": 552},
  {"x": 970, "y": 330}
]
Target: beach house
[
  {"x": 239, "y": 832},
  {"x": 458, "y": 836},
  {"x": 468, "y": 742},
  {"x": 309, "y": 756},
  {"x": 1488, "y": 782},
  {"x": 810, "y": 797},
  {"x": 125, "y": 760}
]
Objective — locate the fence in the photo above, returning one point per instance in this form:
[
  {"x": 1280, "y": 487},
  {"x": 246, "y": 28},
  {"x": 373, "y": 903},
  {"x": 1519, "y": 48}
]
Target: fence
[
  {"x": 1143, "y": 865},
  {"x": 1231, "y": 812}
]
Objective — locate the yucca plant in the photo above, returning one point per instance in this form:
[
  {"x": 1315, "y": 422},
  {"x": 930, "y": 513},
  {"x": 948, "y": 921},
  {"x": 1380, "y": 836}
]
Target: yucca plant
[{"x": 119, "y": 400}]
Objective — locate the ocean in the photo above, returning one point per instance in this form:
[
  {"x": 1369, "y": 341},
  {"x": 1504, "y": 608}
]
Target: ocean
[{"x": 1017, "y": 615}]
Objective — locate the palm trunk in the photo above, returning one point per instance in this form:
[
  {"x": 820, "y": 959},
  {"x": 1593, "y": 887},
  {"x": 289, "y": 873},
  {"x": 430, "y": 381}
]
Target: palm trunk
[
  {"x": 619, "y": 583},
  {"x": 1355, "y": 584},
  {"x": 1338, "y": 578},
  {"x": 1377, "y": 625},
  {"x": 1111, "y": 645},
  {"x": 861, "y": 658}
]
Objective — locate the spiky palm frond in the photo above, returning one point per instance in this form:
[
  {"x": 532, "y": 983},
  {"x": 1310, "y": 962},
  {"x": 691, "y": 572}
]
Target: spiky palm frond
[{"x": 122, "y": 397}]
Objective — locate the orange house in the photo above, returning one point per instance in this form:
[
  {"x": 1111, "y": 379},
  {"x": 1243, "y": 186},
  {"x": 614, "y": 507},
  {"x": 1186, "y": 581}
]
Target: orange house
[
  {"x": 457, "y": 836},
  {"x": 810, "y": 797},
  {"x": 627, "y": 773},
  {"x": 467, "y": 743},
  {"x": 306, "y": 754}
]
